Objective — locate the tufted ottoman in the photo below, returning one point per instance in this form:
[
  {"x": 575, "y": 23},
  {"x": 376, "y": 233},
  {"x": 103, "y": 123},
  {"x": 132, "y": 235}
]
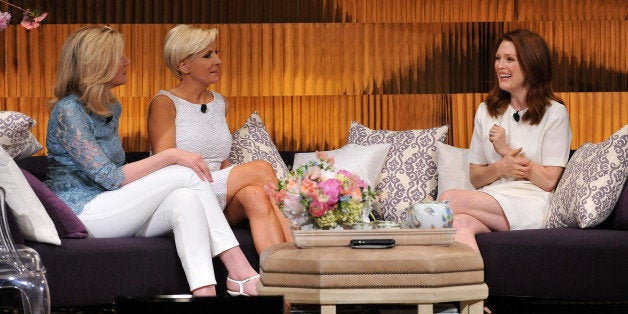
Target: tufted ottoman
[{"x": 421, "y": 275}]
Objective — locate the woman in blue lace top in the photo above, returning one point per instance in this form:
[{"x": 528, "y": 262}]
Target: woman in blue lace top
[{"x": 168, "y": 191}]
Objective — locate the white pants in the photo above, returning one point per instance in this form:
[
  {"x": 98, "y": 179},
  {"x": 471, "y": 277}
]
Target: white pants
[{"x": 173, "y": 198}]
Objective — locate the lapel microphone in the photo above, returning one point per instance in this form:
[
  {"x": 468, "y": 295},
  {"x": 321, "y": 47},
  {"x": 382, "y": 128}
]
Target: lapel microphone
[
  {"x": 204, "y": 108},
  {"x": 516, "y": 116}
]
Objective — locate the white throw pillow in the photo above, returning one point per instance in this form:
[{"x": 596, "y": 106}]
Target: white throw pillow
[
  {"x": 15, "y": 135},
  {"x": 29, "y": 212},
  {"x": 409, "y": 174},
  {"x": 591, "y": 184},
  {"x": 453, "y": 168},
  {"x": 365, "y": 161},
  {"x": 252, "y": 142}
]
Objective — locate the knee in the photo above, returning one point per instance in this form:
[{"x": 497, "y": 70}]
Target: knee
[
  {"x": 448, "y": 195},
  {"x": 252, "y": 193},
  {"x": 264, "y": 170}
]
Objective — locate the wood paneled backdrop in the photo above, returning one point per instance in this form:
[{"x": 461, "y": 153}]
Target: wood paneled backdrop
[{"x": 311, "y": 67}]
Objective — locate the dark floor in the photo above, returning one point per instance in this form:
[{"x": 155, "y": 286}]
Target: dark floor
[{"x": 497, "y": 306}]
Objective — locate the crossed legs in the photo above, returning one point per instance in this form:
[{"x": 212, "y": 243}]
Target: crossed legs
[
  {"x": 474, "y": 212},
  {"x": 246, "y": 199}
]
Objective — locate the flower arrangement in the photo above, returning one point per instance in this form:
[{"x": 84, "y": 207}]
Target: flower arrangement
[
  {"x": 30, "y": 19},
  {"x": 315, "y": 195}
]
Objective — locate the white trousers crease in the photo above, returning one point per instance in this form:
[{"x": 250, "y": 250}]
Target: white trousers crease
[{"x": 171, "y": 199}]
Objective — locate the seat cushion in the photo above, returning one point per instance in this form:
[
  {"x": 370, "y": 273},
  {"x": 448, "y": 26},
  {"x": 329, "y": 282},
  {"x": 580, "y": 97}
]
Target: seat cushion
[{"x": 563, "y": 263}]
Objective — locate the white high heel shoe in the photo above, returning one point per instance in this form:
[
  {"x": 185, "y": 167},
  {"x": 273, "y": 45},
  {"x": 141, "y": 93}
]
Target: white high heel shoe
[{"x": 241, "y": 286}]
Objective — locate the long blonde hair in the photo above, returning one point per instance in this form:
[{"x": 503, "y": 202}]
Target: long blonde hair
[
  {"x": 183, "y": 41},
  {"x": 89, "y": 60}
]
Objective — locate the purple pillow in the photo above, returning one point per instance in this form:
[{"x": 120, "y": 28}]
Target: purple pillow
[
  {"x": 621, "y": 210},
  {"x": 66, "y": 222}
]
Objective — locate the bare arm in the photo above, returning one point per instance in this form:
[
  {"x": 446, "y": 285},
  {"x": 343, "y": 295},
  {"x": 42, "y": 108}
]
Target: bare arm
[
  {"x": 161, "y": 124},
  {"x": 511, "y": 165},
  {"x": 545, "y": 177}
]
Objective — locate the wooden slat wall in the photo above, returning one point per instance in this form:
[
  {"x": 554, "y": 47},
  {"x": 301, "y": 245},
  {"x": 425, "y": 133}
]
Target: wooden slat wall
[{"x": 314, "y": 66}]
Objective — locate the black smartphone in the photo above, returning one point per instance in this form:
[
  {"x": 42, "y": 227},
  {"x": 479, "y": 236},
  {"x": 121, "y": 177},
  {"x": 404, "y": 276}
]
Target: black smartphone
[{"x": 372, "y": 243}]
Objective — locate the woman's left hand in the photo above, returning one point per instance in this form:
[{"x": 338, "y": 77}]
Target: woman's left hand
[{"x": 497, "y": 136}]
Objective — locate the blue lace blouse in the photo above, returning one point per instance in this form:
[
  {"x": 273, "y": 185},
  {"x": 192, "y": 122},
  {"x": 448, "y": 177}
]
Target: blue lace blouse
[{"x": 85, "y": 154}]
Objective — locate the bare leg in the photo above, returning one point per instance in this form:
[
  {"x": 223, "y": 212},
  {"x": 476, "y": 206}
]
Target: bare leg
[
  {"x": 207, "y": 291},
  {"x": 246, "y": 199},
  {"x": 474, "y": 212},
  {"x": 251, "y": 202}
]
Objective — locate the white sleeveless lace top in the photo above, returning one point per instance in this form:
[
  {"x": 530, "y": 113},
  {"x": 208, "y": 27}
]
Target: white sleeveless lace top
[{"x": 206, "y": 134}]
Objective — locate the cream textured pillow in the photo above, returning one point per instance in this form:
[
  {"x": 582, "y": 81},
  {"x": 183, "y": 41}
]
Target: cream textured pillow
[
  {"x": 453, "y": 168},
  {"x": 29, "y": 212},
  {"x": 365, "y": 161},
  {"x": 15, "y": 135},
  {"x": 252, "y": 142},
  {"x": 591, "y": 184},
  {"x": 409, "y": 174}
]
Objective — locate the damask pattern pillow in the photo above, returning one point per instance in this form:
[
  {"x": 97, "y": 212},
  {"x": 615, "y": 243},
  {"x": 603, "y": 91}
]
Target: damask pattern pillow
[
  {"x": 591, "y": 184},
  {"x": 252, "y": 142},
  {"x": 15, "y": 135},
  {"x": 409, "y": 174}
]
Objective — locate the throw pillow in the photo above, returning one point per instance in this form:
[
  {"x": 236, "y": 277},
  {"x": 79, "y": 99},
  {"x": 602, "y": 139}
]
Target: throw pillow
[
  {"x": 591, "y": 184},
  {"x": 15, "y": 135},
  {"x": 68, "y": 225},
  {"x": 453, "y": 168},
  {"x": 252, "y": 142},
  {"x": 409, "y": 174},
  {"x": 29, "y": 212},
  {"x": 365, "y": 161}
]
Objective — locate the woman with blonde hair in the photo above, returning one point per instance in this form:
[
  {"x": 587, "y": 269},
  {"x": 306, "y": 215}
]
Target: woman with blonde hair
[
  {"x": 191, "y": 117},
  {"x": 168, "y": 191}
]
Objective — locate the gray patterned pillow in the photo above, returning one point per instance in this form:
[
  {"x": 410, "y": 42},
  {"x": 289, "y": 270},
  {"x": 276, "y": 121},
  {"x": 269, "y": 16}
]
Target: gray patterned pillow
[
  {"x": 15, "y": 135},
  {"x": 252, "y": 142},
  {"x": 591, "y": 184},
  {"x": 410, "y": 173}
]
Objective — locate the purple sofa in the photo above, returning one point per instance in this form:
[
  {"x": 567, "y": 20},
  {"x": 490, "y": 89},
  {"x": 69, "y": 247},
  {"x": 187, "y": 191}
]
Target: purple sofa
[{"x": 567, "y": 265}]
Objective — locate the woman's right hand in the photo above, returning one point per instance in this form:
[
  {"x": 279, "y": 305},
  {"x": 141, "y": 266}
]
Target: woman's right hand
[
  {"x": 193, "y": 161},
  {"x": 515, "y": 165}
]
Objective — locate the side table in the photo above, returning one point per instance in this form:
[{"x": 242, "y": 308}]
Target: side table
[{"x": 421, "y": 275}]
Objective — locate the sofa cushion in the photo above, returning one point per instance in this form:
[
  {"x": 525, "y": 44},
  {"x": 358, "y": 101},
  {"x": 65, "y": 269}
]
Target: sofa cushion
[
  {"x": 453, "y": 168},
  {"x": 29, "y": 212},
  {"x": 591, "y": 184},
  {"x": 68, "y": 225},
  {"x": 409, "y": 174},
  {"x": 252, "y": 142},
  {"x": 620, "y": 220},
  {"x": 15, "y": 135},
  {"x": 365, "y": 161}
]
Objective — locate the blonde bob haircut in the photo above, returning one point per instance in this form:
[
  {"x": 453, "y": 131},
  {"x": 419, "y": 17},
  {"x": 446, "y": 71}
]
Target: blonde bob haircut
[
  {"x": 184, "y": 41},
  {"x": 89, "y": 60}
]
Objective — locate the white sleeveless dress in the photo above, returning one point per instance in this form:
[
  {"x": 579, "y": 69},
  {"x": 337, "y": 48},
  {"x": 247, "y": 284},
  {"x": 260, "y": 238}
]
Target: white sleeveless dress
[{"x": 206, "y": 134}]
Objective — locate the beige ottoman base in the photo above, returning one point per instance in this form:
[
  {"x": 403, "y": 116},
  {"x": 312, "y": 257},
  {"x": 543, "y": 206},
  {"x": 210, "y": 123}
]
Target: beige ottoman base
[{"x": 471, "y": 297}]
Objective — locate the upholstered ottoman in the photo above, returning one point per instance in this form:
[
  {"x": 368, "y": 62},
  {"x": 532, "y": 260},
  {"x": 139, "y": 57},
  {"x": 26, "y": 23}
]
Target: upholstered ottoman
[{"x": 421, "y": 275}]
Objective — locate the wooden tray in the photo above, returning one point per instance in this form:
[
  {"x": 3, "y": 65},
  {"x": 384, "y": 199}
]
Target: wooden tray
[{"x": 317, "y": 238}]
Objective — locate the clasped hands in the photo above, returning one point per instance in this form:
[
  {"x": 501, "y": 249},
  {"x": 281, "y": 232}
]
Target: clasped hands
[{"x": 513, "y": 163}]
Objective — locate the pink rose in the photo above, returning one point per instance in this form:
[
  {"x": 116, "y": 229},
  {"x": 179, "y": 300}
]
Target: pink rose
[{"x": 318, "y": 209}]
